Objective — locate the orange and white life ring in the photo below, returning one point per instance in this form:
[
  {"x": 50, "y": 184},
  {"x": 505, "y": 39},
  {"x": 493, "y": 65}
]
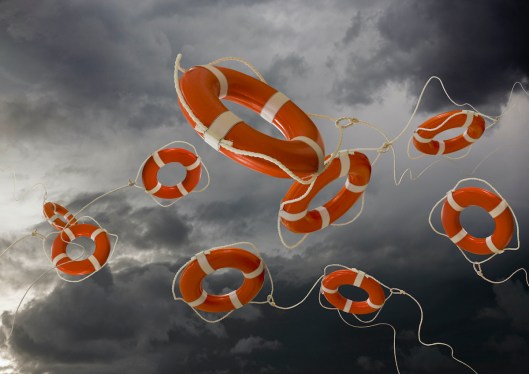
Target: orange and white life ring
[
  {"x": 82, "y": 267},
  {"x": 499, "y": 210},
  {"x": 332, "y": 281},
  {"x": 58, "y": 216},
  {"x": 202, "y": 88},
  {"x": 207, "y": 262},
  {"x": 187, "y": 159},
  {"x": 471, "y": 122},
  {"x": 296, "y": 217}
]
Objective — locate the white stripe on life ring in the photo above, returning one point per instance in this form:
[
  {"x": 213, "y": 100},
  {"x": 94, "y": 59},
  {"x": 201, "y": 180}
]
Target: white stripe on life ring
[
  {"x": 316, "y": 147},
  {"x": 220, "y": 127},
  {"x": 347, "y": 306},
  {"x": 470, "y": 117},
  {"x": 69, "y": 234},
  {"x": 420, "y": 139},
  {"x": 68, "y": 217},
  {"x": 452, "y": 202},
  {"x": 96, "y": 233},
  {"x": 256, "y": 272},
  {"x": 235, "y": 299},
  {"x": 158, "y": 160},
  {"x": 195, "y": 164},
  {"x": 204, "y": 263},
  {"x": 291, "y": 217},
  {"x": 182, "y": 189},
  {"x": 491, "y": 246},
  {"x": 499, "y": 209},
  {"x": 359, "y": 279},
  {"x": 58, "y": 258},
  {"x": 345, "y": 163},
  {"x": 459, "y": 236},
  {"x": 327, "y": 290},
  {"x": 223, "y": 82},
  {"x": 442, "y": 147},
  {"x": 94, "y": 262},
  {"x": 374, "y": 306},
  {"x": 273, "y": 105},
  {"x": 155, "y": 189},
  {"x": 468, "y": 138},
  {"x": 324, "y": 214},
  {"x": 354, "y": 188},
  {"x": 53, "y": 218},
  {"x": 198, "y": 301}
]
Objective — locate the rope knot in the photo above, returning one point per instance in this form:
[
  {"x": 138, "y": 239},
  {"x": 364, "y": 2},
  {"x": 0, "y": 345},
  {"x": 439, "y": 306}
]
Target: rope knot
[
  {"x": 477, "y": 269},
  {"x": 385, "y": 147},
  {"x": 131, "y": 183},
  {"x": 397, "y": 291},
  {"x": 34, "y": 233},
  {"x": 270, "y": 300},
  {"x": 350, "y": 121}
]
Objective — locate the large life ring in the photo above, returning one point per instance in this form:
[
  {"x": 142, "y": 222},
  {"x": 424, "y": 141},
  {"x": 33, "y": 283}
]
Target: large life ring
[
  {"x": 302, "y": 152},
  {"x": 499, "y": 210},
  {"x": 207, "y": 262},
  {"x": 82, "y": 267},
  {"x": 187, "y": 159},
  {"x": 58, "y": 216},
  {"x": 296, "y": 217},
  {"x": 331, "y": 282},
  {"x": 471, "y": 122}
]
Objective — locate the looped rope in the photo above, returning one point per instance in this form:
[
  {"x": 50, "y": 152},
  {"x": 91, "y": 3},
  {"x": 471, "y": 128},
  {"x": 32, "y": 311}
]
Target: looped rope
[
  {"x": 350, "y": 122},
  {"x": 385, "y": 147}
]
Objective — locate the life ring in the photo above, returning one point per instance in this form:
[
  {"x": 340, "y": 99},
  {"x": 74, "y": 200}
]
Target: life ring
[
  {"x": 158, "y": 159},
  {"x": 471, "y": 122},
  {"x": 296, "y": 217},
  {"x": 82, "y": 267},
  {"x": 331, "y": 282},
  {"x": 202, "y": 88},
  {"x": 58, "y": 216},
  {"x": 499, "y": 210},
  {"x": 205, "y": 263}
]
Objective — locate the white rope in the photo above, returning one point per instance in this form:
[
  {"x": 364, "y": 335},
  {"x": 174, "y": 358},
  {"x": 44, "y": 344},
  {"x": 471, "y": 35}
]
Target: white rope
[{"x": 23, "y": 195}]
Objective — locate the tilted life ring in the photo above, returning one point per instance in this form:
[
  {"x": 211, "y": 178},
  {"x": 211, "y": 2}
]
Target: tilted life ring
[
  {"x": 187, "y": 159},
  {"x": 499, "y": 210},
  {"x": 58, "y": 216},
  {"x": 202, "y": 88},
  {"x": 331, "y": 282},
  {"x": 82, "y": 267},
  {"x": 296, "y": 217},
  {"x": 471, "y": 122},
  {"x": 207, "y": 262}
]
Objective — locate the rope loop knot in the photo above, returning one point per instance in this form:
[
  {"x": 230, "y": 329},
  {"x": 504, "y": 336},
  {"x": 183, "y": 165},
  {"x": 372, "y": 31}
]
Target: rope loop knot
[
  {"x": 385, "y": 147},
  {"x": 270, "y": 300},
  {"x": 350, "y": 121},
  {"x": 397, "y": 291}
]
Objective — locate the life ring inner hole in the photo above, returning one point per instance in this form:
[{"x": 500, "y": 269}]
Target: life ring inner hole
[
  {"x": 327, "y": 193},
  {"x": 477, "y": 221},
  {"x": 75, "y": 250},
  {"x": 445, "y": 134},
  {"x": 253, "y": 119},
  {"x": 353, "y": 293},
  {"x": 171, "y": 174},
  {"x": 223, "y": 281}
]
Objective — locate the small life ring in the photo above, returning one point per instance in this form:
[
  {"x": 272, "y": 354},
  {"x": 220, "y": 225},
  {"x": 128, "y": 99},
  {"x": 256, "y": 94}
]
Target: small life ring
[
  {"x": 207, "y": 262},
  {"x": 158, "y": 159},
  {"x": 296, "y": 217},
  {"x": 499, "y": 210},
  {"x": 471, "y": 122},
  {"x": 302, "y": 152},
  {"x": 82, "y": 267},
  {"x": 58, "y": 216},
  {"x": 331, "y": 282}
]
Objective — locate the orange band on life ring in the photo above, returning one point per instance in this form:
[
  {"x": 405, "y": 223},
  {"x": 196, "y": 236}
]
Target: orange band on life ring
[
  {"x": 82, "y": 267},
  {"x": 302, "y": 152},
  {"x": 295, "y": 217},
  {"x": 58, "y": 216},
  {"x": 186, "y": 158},
  {"x": 471, "y": 122},
  {"x": 499, "y": 210},
  {"x": 331, "y": 282},
  {"x": 207, "y": 262}
]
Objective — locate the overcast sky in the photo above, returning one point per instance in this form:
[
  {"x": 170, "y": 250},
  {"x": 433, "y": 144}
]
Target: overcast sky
[{"x": 86, "y": 93}]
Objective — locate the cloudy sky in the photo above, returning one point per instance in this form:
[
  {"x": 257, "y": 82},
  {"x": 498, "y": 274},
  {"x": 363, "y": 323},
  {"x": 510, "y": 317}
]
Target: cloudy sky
[{"x": 86, "y": 93}]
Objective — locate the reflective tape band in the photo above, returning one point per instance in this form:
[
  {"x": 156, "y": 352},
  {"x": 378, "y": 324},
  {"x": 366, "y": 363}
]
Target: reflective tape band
[
  {"x": 491, "y": 246},
  {"x": 499, "y": 209},
  {"x": 311, "y": 143},
  {"x": 155, "y": 189},
  {"x": 359, "y": 279},
  {"x": 452, "y": 202},
  {"x": 256, "y": 272},
  {"x": 195, "y": 164},
  {"x": 273, "y": 105},
  {"x": 345, "y": 163},
  {"x": 219, "y": 128},
  {"x": 69, "y": 234},
  {"x": 223, "y": 82},
  {"x": 420, "y": 139},
  {"x": 327, "y": 290},
  {"x": 442, "y": 147},
  {"x": 96, "y": 233},
  {"x": 347, "y": 306},
  {"x": 198, "y": 301},
  {"x": 58, "y": 258},
  {"x": 182, "y": 189},
  {"x": 374, "y": 306},
  {"x": 157, "y": 159},
  {"x": 94, "y": 262},
  {"x": 325, "y": 217},
  {"x": 69, "y": 217},
  {"x": 459, "y": 236},
  {"x": 235, "y": 299},
  {"x": 468, "y": 138},
  {"x": 470, "y": 117},
  {"x": 354, "y": 188},
  {"x": 53, "y": 218},
  {"x": 291, "y": 217},
  {"x": 204, "y": 263}
]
